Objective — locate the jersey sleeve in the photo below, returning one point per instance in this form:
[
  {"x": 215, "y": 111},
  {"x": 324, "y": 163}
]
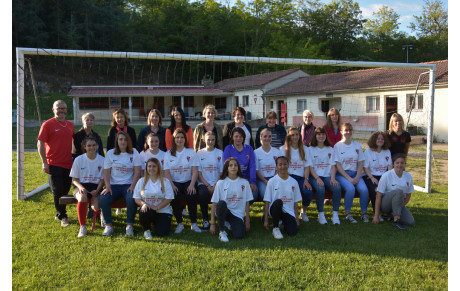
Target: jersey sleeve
[
  {"x": 137, "y": 189},
  {"x": 297, "y": 195},
  {"x": 383, "y": 183},
  {"x": 43, "y": 134},
  {"x": 308, "y": 157},
  {"x": 269, "y": 191},
  {"x": 247, "y": 191},
  {"x": 360, "y": 152},
  {"x": 367, "y": 158},
  {"x": 216, "y": 195},
  {"x": 336, "y": 153},
  {"x": 411, "y": 184},
  {"x": 108, "y": 162},
  {"x": 75, "y": 172},
  {"x": 138, "y": 160},
  {"x": 195, "y": 160},
  {"x": 169, "y": 192},
  {"x": 167, "y": 166}
]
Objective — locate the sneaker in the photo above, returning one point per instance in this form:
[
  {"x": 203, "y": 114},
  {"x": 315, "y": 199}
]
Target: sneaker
[
  {"x": 83, "y": 231},
  {"x": 108, "y": 230},
  {"x": 277, "y": 233},
  {"x": 350, "y": 218},
  {"x": 118, "y": 211},
  {"x": 179, "y": 228},
  {"x": 365, "y": 217},
  {"x": 184, "y": 212},
  {"x": 148, "y": 234},
  {"x": 223, "y": 236},
  {"x": 321, "y": 218},
  {"x": 399, "y": 224},
  {"x": 65, "y": 222},
  {"x": 195, "y": 227},
  {"x": 206, "y": 225},
  {"x": 335, "y": 218},
  {"x": 381, "y": 218},
  {"x": 129, "y": 230},
  {"x": 304, "y": 217},
  {"x": 227, "y": 225}
]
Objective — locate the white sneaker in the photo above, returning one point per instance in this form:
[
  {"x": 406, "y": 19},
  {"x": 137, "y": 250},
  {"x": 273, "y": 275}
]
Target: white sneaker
[
  {"x": 350, "y": 218},
  {"x": 184, "y": 212},
  {"x": 304, "y": 217},
  {"x": 118, "y": 211},
  {"x": 335, "y": 218},
  {"x": 195, "y": 227},
  {"x": 108, "y": 230},
  {"x": 65, "y": 222},
  {"x": 129, "y": 230},
  {"x": 277, "y": 233},
  {"x": 223, "y": 236},
  {"x": 83, "y": 231},
  {"x": 381, "y": 218},
  {"x": 227, "y": 225},
  {"x": 179, "y": 228},
  {"x": 321, "y": 218},
  {"x": 148, "y": 234}
]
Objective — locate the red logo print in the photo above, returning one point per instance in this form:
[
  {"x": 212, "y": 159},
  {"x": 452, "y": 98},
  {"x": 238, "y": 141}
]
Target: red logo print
[
  {"x": 188, "y": 159},
  {"x": 293, "y": 188},
  {"x": 247, "y": 157},
  {"x": 242, "y": 187},
  {"x": 99, "y": 168},
  {"x": 407, "y": 184},
  {"x": 329, "y": 155},
  {"x": 387, "y": 158},
  {"x": 218, "y": 159},
  {"x": 131, "y": 159},
  {"x": 357, "y": 152},
  {"x": 275, "y": 158},
  {"x": 162, "y": 162}
]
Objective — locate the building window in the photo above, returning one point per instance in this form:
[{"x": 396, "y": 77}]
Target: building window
[
  {"x": 272, "y": 104},
  {"x": 221, "y": 103},
  {"x": 301, "y": 105},
  {"x": 93, "y": 102},
  {"x": 414, "y": 102},
  {"x": 245, "y": 100},
  {"x": 373, "y": 104},
  {"x": 138, "y": 102}
]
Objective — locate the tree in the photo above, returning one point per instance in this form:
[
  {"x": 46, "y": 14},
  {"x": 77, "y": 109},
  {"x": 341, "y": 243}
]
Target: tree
[
  {"x": 433, "y": 20},
  {"x": 384, "y": 23}
]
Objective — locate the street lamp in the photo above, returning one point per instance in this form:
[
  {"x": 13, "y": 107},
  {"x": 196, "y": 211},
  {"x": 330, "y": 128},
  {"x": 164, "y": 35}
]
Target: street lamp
[{"x": 408, "y": 47}]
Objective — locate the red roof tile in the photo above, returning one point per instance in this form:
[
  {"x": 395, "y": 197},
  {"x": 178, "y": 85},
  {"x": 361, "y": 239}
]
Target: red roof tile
[{"x": 98, "y": 92}]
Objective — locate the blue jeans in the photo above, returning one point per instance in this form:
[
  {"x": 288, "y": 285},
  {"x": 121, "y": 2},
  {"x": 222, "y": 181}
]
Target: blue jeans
[
  {"x": 321, "y": 192},
  {"x": 105, "y": 202},
  {"x": 261, "y": 186},
  {"x": 350, "y": 191},
  {"x": 307, "y": 195}
]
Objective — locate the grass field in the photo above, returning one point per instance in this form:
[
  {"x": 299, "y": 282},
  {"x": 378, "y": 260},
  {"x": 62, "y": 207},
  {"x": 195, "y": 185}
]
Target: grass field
[{"x": 361, "y": 256}]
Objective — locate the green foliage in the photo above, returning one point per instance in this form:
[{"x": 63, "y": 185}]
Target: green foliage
[
  {"x": 433, "y": 20},
  {"x": 384, "y": 23}
]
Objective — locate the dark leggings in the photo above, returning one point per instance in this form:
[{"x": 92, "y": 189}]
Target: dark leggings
[
  {"x": 191, "y": 202},
  {"x": 289, "y": 222},
  {"x": 161, "y": 221},
  {"x": 371, "y": 187},
  {"x": 236, "y": 223},
  {"x": 203, "y": 197},
  {"x": 60, "y": 183}
]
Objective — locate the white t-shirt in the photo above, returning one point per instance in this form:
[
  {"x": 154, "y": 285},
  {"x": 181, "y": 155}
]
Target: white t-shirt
[
  {"x": 211, "y": 164},
  {"x": 322, "y": 160},
  {"x": 349, "y": 155},
  {"x": 297, "y": 166},
  {"x": 235, "y": 193},
  {"x": 122, "y": 166},
  {"x": 247, "y": 140},
  {"x": 146, "y": 155},
  {"x": 153, "y": 195},
  {"x": 376, "y": 162},
  {"x": 286, "y": 190},
  {"x": 390, "y": 181},
  {"x": 181, "y": 165},
  {"x": 87, "y": 170},
  {"x": 266, "y": 162}
]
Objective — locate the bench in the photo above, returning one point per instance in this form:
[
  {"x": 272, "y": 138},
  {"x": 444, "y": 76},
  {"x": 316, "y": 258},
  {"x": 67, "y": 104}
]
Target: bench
[{"x": 69, "y": 199}]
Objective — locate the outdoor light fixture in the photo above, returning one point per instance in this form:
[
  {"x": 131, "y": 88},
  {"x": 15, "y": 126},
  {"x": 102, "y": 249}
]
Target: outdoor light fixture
[{"x": 407, "y": 47}]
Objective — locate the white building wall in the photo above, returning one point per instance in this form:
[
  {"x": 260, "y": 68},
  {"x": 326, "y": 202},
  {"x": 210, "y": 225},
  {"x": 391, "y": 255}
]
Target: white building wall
[{"x": 255, "y": 105}]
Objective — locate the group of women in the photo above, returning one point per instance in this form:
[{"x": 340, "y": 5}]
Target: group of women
[{"x": 177, "y": 166}]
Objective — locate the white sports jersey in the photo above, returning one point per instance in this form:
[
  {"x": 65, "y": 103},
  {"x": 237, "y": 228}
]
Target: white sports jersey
[
  {"x": 247, "y": 140},
  {"x": 376, "y": 162},
  {"x": 153, "y": 195},
  {"x": 322, "y": 160},
  {"x": 297, "y": 166},
  {"x": 349, "y": 155},
  {"x": 181, "y": 165},
  {"x": 122, "y": 166},
  {"x": 211, "y": 164},
  {"x": 146, "y": 155},
  {"x": 87, "y": 170},
  {"x": 286, "y": 190},
  {"x": 266, "y": 162},
  {"x": 235, "y": 193},
  {"x": 390, "y": 181}
]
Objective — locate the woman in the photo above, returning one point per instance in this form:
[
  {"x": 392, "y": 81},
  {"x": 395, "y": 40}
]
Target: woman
[
  {"x": 154, "y": 121},
  {"x": 377, "y": 160},
  {"x": 209, "y": 112},
  {"x": 151, "y": 150},
  {"x": 181, "y": 169},
  {"x": 88, "y": 178},
  {"x": 333, "y": 126},
  {"x": 178, "y": 121},
  {"x": 307, "y": 129},
  {"x": 86, "y": 130},
  {"x": 122, "y": 169},
  {"x": 244, "y": 155},
  {"x": 120, "y": 123},
  {"x": 266, "y": 156},
  {"x": 230, "y": 202},
  {"x": 278, "y": 132},
  {"x": 393, "y": 194},
  {"x": 299, "y": 162},
  {"x": 211, "y": 165},
  {"x": 322, "y": 174},
  {"x": 238, "y": 116},
  {"x": 349, "y": 160},
  {"x": 281, "y": 200},
  {"x": 399, "y": 138},
  {"x": 152, "y": 194}
]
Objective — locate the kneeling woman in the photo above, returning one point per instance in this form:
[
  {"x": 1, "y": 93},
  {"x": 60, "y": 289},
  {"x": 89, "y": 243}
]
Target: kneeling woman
[
  {"x": 394, "y": 192},
  {"x": 230, "y": 201},
  {"x": 281, "y": 197},
  {"x": 152, "y": 194}
]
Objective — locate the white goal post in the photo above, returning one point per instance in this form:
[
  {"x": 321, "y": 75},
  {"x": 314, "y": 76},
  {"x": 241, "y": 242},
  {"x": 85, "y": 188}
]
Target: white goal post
[{"x": 22, "y": 52}]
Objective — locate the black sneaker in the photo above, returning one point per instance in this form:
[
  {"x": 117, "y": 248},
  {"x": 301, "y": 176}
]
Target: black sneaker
[
  {"x": 399, "y": 224},
  {"x": 206, "y": 225}
]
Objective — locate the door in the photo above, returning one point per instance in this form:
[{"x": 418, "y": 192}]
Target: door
[
  {"x": 391, "y": 106},
  {"x": 282, "y": 112}
]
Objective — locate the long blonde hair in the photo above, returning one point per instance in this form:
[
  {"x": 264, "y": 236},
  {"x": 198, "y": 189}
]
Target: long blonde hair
[
  {"x": 287, "y": 144},
  {"x": 159, "y": 175},
  {"x": 394, "y": 116}
]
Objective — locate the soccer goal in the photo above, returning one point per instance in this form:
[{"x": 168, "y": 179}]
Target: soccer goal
[{"x": 100, "y": 81}]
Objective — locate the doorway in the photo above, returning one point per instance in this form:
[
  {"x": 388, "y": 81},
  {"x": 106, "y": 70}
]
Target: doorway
[
  {"x": 390, "y": 108},
  {"x": 282, "y": 112}
]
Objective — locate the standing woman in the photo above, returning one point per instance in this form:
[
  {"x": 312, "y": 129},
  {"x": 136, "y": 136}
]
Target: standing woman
[
  {"x": 299, "y": 166},
  {"x": 120, "y": 123},
  {"x": 230, "y": 202},
  {"x": 209, "y": 112},
  {"x": 86, "y": 130},
  {"x": 152, "y": 194},
  {"x": 307, "y": 129},
  {"x": 154, "y": 121},
  {"x": 349, "y": 160},
  {"x": 333, "y": 126},
  {"x": 211, "y": 165},
  {"x": 88, "y": 177},
  {"x": 238, "y": 116},
  {"x": 399, "y": 138},
  {"x": 278, "y": 131},
  {"x": 151, "y": 150},
  {"x": 377, "y": 160},
  {"x": 181, "y": 169},
  {"x": 393, "y": 194},
  {"x": 122, "y": 169},
  {"x": 178, "y": 121},
  {"x": 322, "y": 174},
  {"x": 281, "y": 200}
]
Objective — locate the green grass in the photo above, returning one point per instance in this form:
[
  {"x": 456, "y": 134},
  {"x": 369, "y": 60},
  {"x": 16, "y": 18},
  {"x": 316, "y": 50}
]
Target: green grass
[{"x": 360, "y": 256}]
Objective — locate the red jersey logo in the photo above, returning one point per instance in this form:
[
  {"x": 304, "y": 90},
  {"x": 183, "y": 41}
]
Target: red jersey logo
[
  {"x": 188, "y": 159},
  {"x": 218, "y": 159},
  {"x": 242, "y": 187},
  {"x": 407, "y": 184},
  {"x": 387, "y": 158},
  {"x": 131, "y": 159},
  {"x": 357, "y": 152},
  {"x": 275, "y": 158},
  {"x": 293, "y": 188},
  {"x": 329, "y": 155},
  {"x": 162, "y": 162},
  {"x": 99, "y": 168},
  {"x": 247, "y": 157}
]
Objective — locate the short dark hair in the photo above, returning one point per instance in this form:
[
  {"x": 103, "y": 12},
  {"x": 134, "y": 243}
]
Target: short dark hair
[
  {"x": 239, "y": 130},
  {"x": 240, "y": 109},
  {"x": 314, "y": 141}
]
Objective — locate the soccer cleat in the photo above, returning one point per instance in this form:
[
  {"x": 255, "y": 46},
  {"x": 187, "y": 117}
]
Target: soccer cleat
[
  {"x": 83, "y": 231},
  {"x": 321, "y": 218},
  {"x": 277, "y": 233},
  {"x": 304, "y": 217},
  {"x": 65, "y": 222},
  {"x": 399, "y": 224},
  {"x": 350, "y": 218},
  {"x": 223, "y": 236},
  {"x": 129, "y": 230},
  {"x": 206, "y": 225},
  {"x": 148, "y": 234},
  {"x": 195, "y": 227},
  {"x": 365, "y": 217},
  {"x": 108, "y": 230},
  {"x": 179, "y": 228}
]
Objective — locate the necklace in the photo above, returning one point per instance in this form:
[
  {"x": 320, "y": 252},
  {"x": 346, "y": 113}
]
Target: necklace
[{"x": 61, "y": 123}]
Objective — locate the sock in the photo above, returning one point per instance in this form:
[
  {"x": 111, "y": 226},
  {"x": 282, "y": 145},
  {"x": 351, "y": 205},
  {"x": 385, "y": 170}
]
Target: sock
[{"x": 82, "y": 210}]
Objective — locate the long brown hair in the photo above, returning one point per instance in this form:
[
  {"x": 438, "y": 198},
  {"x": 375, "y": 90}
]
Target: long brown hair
[
  {"x": 149, "y": 119},
  {"x": 314, "y": 141},
  {"x": 224, "y": 173},
  {"x": 114, "y": 116},
  {"x": 129, "y": 148},
  {"x": 159, "y": 175},
  {"x": 287, "y": 144},
  {"x": 329, "y": 120},
  {"x": 174, "y": 146}
]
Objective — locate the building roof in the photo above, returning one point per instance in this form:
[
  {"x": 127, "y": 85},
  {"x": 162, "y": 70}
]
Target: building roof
[
  {"x": 253, "y": 80},
  {"x": 362, "y": 79}
]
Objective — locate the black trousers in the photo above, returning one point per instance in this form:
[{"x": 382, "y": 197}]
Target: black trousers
[
  {"x": 289, "y": 222},
  {"x": 161, "y": 221},
  {"x": 60, "y": 183},
  {"x": 236, "y": 223},
  {"x": 203, "y": 198},
  {"x": 191, "y": 202},
  {"x": 372, "y": 188}
]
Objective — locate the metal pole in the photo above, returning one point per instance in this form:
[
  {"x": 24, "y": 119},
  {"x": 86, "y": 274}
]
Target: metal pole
[
  {"x": 429, "y": 134},
  {"x": 130, "y": 104},
  {"x": 20, "y": 123}
]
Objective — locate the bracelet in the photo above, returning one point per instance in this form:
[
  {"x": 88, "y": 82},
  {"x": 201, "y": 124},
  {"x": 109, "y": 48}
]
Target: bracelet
[{"x": 213, "y": 224}]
